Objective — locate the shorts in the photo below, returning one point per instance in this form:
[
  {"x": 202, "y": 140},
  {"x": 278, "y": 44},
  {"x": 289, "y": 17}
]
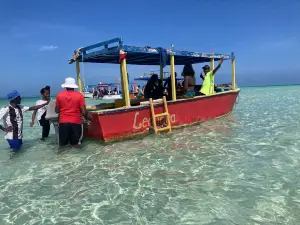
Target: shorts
[
  {"x": 15, "y": 144},
  {"x": 70, "y": 133},
  {"x": 190, "y": 93}
]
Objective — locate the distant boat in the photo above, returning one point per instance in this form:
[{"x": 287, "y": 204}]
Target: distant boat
[
  {"x": 225, "y": 86},
  {"x": 86, "y": 93},
  {"x": 111, "y": 94}
]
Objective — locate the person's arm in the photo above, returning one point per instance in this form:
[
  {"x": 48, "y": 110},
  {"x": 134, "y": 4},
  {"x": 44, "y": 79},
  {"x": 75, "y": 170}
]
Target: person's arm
[
  {"x": 36, "y": 107},
  {"x": 201, "y": 76},
  {"x": 186, "y": 84},
  {"x": 57, "y": 104},
  {"x": 6, "y": 129},
  {"x": 219, "y": 65},
  {"x": 33, "y": 118},
  {"x": 83, "y": 111},
  {"x": 57, "y": 109},
  {"x": 4, "y": 112}
]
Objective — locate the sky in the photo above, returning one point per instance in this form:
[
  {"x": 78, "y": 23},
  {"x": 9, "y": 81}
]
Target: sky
[{"x": 38, "y": 37}]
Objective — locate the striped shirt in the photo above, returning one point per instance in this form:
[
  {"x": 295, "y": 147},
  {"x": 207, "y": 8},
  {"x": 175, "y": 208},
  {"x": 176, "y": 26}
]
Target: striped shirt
[{"x": 13, "y": 116}]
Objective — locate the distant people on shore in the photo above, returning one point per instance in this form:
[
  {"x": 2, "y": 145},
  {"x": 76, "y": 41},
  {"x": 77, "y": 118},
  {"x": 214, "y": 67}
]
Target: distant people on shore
[
  {"x": 41, "y": 113},
  {"x": 70, "y": 105},
  {"x": 12, "y": 116}
]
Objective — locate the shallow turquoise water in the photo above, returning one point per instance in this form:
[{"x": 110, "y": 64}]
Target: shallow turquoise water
[{"x": 241, "y": 169}]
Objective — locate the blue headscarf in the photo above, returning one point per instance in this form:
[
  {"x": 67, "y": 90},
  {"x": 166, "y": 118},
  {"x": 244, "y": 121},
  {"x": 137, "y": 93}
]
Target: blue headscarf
[{"x": 12, "y": 95}]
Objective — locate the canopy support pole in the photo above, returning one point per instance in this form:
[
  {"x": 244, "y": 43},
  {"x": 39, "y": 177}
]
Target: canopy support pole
[
  {"x": 212, "y": 62},
  {"x": 232, "y": 71},
  {"x": 78, "y": 77},
  {"x": 161, "y": 73},
  {"x": 124, "y": 81},
  {"x": 172, "y": 65}
]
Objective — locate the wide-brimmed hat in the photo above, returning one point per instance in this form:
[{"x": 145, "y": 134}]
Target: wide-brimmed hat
[
  {"x": 12, "y": 95},
  {"x": 69, "y": 83}
]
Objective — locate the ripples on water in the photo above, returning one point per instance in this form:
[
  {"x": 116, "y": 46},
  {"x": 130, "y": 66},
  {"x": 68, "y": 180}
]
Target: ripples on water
[{"x": 241, "y": 169}]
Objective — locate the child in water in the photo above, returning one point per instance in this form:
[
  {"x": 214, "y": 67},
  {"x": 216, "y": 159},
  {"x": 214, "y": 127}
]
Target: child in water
[{"x": 12, "y": 116}]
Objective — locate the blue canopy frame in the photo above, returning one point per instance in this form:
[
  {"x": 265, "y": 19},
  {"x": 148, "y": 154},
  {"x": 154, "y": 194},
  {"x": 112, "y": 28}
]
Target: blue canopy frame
[{"x": 102, "y": 53}]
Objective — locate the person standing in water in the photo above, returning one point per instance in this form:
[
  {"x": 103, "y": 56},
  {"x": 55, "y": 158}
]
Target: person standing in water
[
  {"x": 12, "y": 116},
  {"x": 70, "y": 105},
  {"x": 41, "y": 113}
]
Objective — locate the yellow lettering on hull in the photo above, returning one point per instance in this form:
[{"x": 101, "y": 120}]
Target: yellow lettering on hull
[{"x": 144, "y": 122}]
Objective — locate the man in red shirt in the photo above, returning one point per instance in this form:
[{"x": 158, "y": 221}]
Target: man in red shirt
[{"x": 70, "y": 105}]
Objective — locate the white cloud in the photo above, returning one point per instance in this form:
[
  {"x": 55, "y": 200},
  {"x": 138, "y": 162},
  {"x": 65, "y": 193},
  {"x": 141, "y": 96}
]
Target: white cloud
[{"x": 48, "y": 48}]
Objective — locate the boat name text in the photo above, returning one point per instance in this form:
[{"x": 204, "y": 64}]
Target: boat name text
[{"x": 146, "y": 121}]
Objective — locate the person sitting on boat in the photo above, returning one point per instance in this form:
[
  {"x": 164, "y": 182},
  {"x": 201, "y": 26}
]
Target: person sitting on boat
[
  {"x": 140, "y": 92},
  {"x": 135, "y": 89},
  {"x": 115, "y": 91},
  {"x": 105, "y": 92},
  {"x": 70, "y": 105},
  {"x": 160, "y": 87},
  {"x": 95, "y": 93},
  {"x": 12, "y": 116},
  {"x": 168, "y": 85},
  {"x": 41, "y": 114},
  {"x": 189, "y": 80},
  {"x": 153, "y": 89},
  {"x": 208, "y": 82}
]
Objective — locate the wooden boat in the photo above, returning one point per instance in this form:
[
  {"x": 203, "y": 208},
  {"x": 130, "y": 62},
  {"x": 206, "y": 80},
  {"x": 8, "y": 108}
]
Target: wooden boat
[{"x": 126, "y": 118}]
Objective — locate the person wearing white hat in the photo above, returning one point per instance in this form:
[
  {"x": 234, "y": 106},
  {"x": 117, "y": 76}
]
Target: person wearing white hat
[{"x": 70, "y": 105}]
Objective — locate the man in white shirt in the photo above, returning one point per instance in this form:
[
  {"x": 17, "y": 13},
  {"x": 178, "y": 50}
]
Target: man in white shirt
[
  {"x": 12, "y": 116},
  {"x": 41, "y": 113}
]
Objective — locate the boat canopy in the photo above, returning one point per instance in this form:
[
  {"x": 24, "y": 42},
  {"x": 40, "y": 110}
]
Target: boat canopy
[{"x": 103, "y": 53}]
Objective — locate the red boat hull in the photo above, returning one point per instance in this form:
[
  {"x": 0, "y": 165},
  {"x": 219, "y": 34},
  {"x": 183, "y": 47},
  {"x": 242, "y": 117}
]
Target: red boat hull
[{"x": 116, "y": 124}]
